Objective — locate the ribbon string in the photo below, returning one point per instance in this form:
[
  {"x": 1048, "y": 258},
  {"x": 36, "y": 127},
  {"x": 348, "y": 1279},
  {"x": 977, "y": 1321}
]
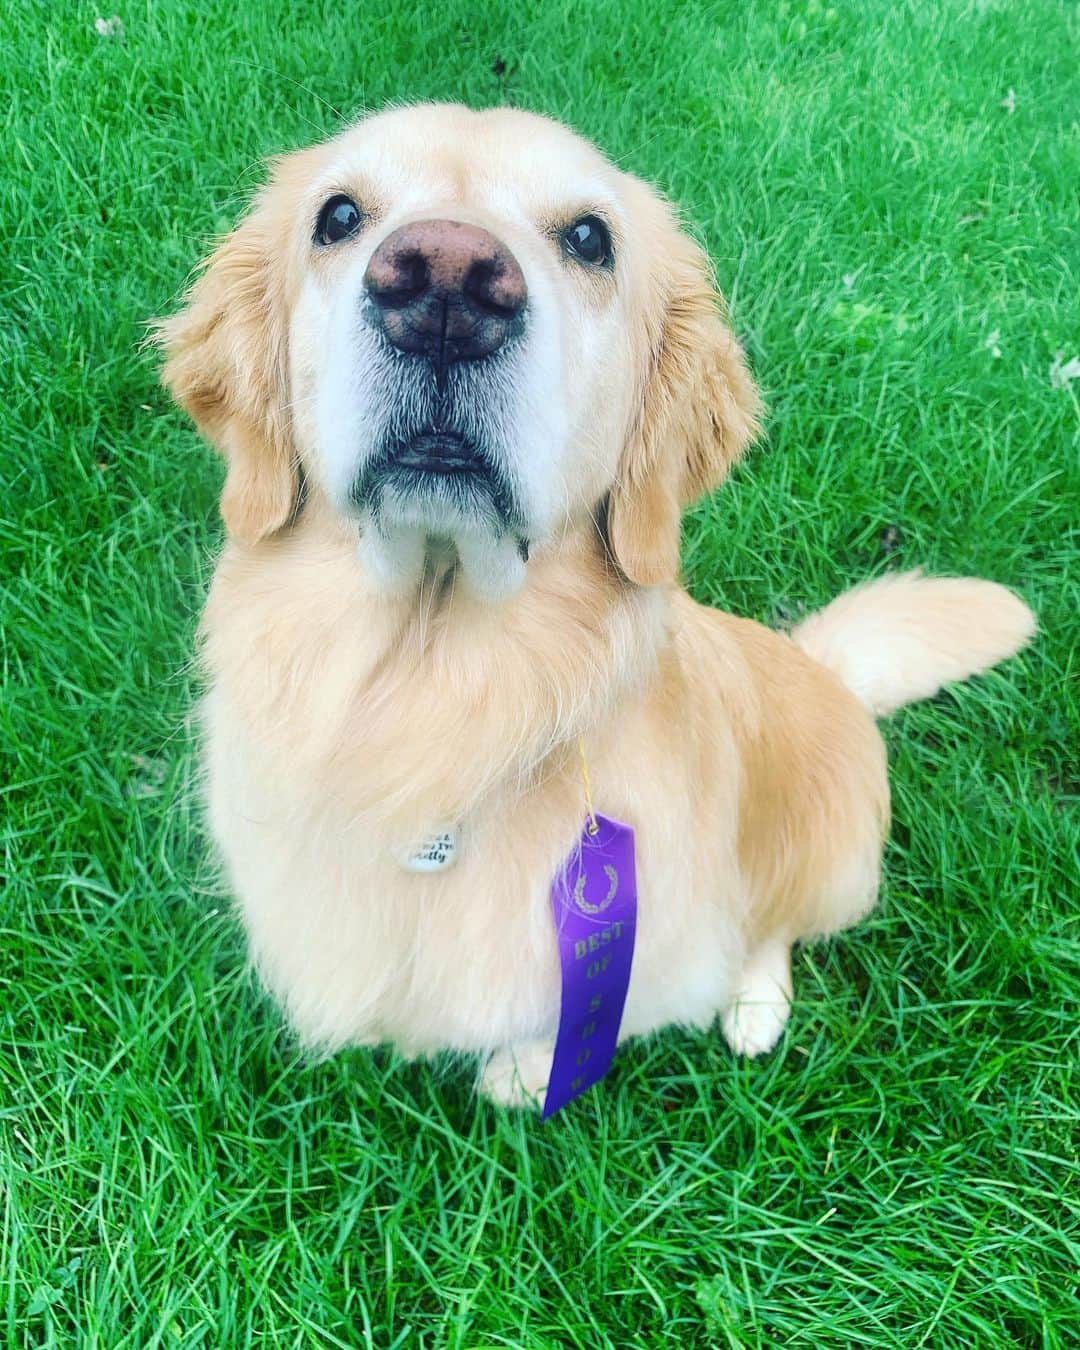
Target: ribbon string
[{"x": 592, "y": 827}]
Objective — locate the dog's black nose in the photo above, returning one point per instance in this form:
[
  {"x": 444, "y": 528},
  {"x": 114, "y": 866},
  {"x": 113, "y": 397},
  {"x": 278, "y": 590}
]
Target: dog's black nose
[{"x": 446, "y": 290}]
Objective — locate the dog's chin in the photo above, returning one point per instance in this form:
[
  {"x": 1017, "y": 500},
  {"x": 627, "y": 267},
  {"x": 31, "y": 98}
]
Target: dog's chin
[{"x": 433, "y": 490}]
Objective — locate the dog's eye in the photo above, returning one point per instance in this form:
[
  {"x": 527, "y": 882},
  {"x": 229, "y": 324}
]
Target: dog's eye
[
  {"x": 339, "y": 219},
  {"x": 589, "y": 241}
]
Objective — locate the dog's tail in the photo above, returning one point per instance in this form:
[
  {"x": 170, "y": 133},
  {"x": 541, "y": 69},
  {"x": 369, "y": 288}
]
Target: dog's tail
[{"x": 902, "y": 637}]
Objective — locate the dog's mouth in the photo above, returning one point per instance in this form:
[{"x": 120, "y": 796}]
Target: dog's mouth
[
  {"x": 444, "y": 476},
  {"x": 440, "y": 451}
]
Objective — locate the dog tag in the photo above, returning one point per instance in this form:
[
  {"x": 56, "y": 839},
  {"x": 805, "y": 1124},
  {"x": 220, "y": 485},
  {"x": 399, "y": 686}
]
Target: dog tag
[
  {"x": 436, "y": 853},
  {"x": 594, "y": 905}
]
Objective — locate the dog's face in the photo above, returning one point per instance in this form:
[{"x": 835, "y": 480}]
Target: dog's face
[{"x": 469, "y": 329}]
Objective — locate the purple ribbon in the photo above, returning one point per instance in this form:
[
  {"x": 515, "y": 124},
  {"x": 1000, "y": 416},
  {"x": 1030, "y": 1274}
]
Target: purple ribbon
[{"x": 594, "y": 904}]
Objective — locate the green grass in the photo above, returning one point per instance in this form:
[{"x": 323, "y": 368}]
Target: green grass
[{"x": 903, "y": 1171}]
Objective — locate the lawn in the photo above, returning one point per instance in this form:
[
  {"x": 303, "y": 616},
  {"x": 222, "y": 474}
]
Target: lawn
[{"x": 889, "y": 194}]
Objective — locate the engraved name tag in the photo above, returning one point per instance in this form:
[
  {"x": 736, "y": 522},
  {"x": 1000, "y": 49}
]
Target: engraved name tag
[{"x": 435, "y": 853}]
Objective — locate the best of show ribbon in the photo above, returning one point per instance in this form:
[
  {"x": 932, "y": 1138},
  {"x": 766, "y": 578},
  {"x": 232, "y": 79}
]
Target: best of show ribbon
[{"x": 594, "y": 905}]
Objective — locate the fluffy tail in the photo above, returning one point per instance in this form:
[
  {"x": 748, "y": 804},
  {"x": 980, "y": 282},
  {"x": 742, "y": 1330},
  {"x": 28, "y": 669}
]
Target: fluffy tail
[{"x": 902, "y": 637}]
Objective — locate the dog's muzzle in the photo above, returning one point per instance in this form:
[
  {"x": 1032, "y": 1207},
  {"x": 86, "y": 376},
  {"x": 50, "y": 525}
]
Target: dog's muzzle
[{"x": 446, "y": 304}]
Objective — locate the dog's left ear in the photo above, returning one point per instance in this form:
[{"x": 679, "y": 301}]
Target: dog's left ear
[
  {"x": 226, "y": 364},
  {"x": 700, "y": 410}
]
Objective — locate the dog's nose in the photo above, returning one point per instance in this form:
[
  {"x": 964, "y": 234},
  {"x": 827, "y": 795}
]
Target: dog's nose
[{"x": 446, "y": 290}]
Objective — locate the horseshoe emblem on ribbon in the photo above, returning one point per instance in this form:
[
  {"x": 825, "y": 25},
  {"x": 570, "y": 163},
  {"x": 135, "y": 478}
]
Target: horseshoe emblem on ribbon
[{"x": 579, "y": 892}]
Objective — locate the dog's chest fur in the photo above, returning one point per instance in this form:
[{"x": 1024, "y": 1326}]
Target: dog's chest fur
[{"x": 341, "y": 728}]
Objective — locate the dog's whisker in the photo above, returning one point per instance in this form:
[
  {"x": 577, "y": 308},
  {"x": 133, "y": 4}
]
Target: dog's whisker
[{"x": 297, "y": 84}]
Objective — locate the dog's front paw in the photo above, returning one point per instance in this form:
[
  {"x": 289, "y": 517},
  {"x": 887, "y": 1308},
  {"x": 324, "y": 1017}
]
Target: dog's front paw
[
  {"x": 518, "y": 1076},
  {"x": 757, "y": 1015},
  {"x": 754, "y": 1028}
]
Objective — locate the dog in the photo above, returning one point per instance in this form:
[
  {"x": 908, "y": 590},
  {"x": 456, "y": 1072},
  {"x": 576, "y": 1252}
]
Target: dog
[{"x": 466, "y": 375}]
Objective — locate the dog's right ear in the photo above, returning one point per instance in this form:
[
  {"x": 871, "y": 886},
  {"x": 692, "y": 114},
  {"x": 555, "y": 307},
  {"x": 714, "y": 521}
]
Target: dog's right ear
[{"x": 226, "y": 364}]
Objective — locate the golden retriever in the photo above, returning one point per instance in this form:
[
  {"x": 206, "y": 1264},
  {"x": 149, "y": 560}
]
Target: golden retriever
[{"x": 466, "y": 374}]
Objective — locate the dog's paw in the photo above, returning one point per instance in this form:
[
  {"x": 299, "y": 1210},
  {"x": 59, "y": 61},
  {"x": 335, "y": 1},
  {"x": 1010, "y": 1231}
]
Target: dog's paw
[
  {"x": 518, "y": 1076},
  {"x": 757, "y": 1015},
  {"x": 754, "y": 1028}
]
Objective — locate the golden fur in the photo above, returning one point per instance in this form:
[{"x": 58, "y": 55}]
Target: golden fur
[{"x": 344, "y": 719}]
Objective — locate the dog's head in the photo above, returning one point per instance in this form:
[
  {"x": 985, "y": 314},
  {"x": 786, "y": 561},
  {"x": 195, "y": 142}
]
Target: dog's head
[{"x": 463, "y": 327}]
